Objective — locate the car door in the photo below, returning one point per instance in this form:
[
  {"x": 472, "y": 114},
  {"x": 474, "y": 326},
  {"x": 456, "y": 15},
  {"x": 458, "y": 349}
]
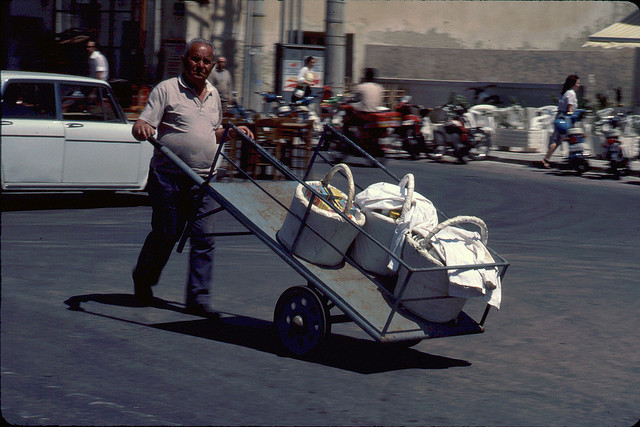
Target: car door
[
  {"x": 32, "y": 136},
  {"x": 99, "y": 148}
]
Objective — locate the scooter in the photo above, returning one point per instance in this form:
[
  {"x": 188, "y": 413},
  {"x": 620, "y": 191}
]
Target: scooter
[
  {"x": 410, "y": 129},
  {"x": 482, "y": 97},
  {"x": 618, "y": 162},
  {"x": 304, "y": 110},
  {"x": 366, "y": 129},
  {"x": 453, "y": 137},
  {"x": 608, "y": 126},
  {"x": 274, "y": 105},
  {"x": 576, "y": 159}
]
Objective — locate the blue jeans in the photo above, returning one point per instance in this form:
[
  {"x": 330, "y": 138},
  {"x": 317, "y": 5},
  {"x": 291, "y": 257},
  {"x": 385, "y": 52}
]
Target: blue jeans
[{"x": 174, "y": 197}]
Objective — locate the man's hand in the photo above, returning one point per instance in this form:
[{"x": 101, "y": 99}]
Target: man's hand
[
  {"x": 246, "y": 131},
  {"x": 142, "y": 130},
  {"x": 233, "y": 133}
]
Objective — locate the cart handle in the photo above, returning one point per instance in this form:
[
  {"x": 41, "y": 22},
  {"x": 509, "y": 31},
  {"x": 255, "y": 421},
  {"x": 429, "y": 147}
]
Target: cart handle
[
  {"x": 484, "y": 232},
  {"x": 329, "y": 176},
  {"x": 407, "y": 182}
]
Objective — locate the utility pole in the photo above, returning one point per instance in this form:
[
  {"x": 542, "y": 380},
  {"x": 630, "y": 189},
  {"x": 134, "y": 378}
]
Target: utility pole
[
  {"x": 252, "y": 76},
  {"x": 335, "y": 45}
]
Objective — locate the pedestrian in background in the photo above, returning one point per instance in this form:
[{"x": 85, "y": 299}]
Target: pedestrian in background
[
  {"x": 98, "y": 64},
  {"x": 367, "y": 97},
  {"x": 567, "y": 105},
  {"x": 220, "y": 77},
  {"x": 306, "y": 78},
  {"x": 368, "y": 94},
  {"x": 186, "y": 112}
]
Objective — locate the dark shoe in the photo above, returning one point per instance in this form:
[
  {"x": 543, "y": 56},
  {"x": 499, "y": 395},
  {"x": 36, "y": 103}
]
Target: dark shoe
[
  {"x": 202, "y": 311},
  {"x": 143, "y": 293}
]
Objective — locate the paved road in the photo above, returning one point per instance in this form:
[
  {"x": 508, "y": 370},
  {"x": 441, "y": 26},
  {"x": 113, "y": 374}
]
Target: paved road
[{"x": 563, "y": 350}]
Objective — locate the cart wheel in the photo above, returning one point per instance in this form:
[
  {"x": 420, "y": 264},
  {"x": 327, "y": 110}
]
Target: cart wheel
[{"x": 301, "y": 319}]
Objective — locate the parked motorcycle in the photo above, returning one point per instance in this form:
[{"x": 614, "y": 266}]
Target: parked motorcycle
[
  {"x": 481, "y": 96},
  {"x": 366, "y": 129},
  {"x": 609, "y": 126},
  {"x": 410, "y": 129},
  {"x": 305, "y": 110},
  {"x": 618, "y": 162},
  {"x": 455, "y": 138},
  {"x": 274, "y": 105},
  {"x": 238, "y": 112}
]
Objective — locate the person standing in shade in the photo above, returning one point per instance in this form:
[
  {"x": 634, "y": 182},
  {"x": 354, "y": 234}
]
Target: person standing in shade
[
  {"x": 186, "y": 112},
  {"x": 220, "y": 77},
  {"x": 567, "y": 105},
  {"x": 98, "y": 64},
  {"x": 306, "y": 78}
]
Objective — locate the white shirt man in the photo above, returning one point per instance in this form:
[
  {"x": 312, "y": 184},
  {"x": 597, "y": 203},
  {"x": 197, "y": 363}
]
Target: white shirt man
[{"x": 98, "y": 64}]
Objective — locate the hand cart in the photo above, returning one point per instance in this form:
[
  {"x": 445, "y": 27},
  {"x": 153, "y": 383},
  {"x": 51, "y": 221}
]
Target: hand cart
[{"x": 303, "y": 314}]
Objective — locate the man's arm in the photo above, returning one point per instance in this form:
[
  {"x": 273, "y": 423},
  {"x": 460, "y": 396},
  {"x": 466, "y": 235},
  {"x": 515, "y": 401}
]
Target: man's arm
[{"x": 243, "y": 129}]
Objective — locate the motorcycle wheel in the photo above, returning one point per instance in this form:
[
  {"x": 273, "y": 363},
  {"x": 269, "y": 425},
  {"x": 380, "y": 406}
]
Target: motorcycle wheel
[
  {"x": 411, "y": 145},
  {"x": 581, "y": 167},
  {"x": 438, "y": 147},
  {"x": 481, "y": 146}
]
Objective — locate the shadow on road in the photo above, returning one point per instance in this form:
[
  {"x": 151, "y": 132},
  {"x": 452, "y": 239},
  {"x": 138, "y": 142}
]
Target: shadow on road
[
  {"x": 340, "y": 351},
  {"x": 52, "y": 201}
]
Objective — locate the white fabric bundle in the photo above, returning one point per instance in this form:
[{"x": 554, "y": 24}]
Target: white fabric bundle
[
  {"x": 457, "y": 246},
  {"x": 379, "y": 202}
]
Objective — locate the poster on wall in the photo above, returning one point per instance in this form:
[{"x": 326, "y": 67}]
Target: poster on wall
[
  {"x": 293, "y": 61},
  {"x": 172, "y": 49}
]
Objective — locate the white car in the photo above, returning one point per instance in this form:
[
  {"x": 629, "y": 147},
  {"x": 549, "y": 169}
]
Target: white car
[{"x": 62, "y": 132}]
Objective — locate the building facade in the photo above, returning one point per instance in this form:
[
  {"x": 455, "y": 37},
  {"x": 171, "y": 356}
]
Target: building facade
[{"x": 471, "y": 41}]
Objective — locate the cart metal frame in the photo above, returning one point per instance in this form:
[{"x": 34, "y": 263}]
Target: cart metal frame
[{"x": 302, "y": 314}]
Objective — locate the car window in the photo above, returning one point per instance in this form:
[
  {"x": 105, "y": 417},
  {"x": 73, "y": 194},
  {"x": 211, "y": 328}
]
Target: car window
[
  {"x": 29, "y": 100},
  {"x": 87, "y": 103}
]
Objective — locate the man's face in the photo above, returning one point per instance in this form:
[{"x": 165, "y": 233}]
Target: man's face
[
  {"x": 91, "y": 47},
  {"x": 198, "y": 63},
  {"x": 222, "y": 63}
]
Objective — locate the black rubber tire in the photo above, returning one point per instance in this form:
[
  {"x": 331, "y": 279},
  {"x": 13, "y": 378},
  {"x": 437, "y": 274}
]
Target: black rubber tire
[{"x": 302, "y": 320}]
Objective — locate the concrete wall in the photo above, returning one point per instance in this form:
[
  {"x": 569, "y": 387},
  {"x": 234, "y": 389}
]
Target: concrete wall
[
  {"x": 600, "y": 70},
  {"x": 484, "y": 25},
  {"x": 537, "y": 27}
]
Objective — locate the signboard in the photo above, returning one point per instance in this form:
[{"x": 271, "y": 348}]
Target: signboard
[
  {"x": 293, "y": 59},
  {"x": 173, "y": 50}
]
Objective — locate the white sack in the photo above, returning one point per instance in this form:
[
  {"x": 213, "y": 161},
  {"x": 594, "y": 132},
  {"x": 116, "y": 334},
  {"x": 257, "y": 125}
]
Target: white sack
[
  {"x": 456, "y": 246},
  {"x": 329, "y": 224},
  {"x": 426, "y": 284},
  {"x": 376, "y": 201}
]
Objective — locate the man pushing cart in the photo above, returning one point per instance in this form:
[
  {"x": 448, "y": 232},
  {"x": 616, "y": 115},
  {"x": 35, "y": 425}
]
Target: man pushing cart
[{"x": 305, "y": 223}]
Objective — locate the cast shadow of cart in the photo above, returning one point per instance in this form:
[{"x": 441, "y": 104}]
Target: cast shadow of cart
[{"x": 339, "y": 351}]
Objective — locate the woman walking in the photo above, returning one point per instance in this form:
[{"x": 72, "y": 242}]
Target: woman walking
[{"x": 567, "y": 105}]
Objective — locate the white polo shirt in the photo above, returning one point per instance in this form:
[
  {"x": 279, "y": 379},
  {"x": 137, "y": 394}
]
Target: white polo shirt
[
  {"x": 369, "y": 96},
  {"x": 184, "y": 124}
]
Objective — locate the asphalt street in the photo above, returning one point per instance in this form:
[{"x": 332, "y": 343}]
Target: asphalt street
[{"x": 76, "y": 349}]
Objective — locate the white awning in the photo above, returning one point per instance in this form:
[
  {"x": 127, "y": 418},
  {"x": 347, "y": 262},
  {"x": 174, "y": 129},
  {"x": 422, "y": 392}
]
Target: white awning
[{"x": 625, "y": 33}]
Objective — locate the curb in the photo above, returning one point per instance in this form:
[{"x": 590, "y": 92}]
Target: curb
[{"x": 596, "y": 165}]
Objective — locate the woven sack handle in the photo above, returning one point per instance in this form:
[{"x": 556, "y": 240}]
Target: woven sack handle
[
  {"x": 484, "y": 232},
  {"x": 351, "y": 193},
  {"x": 407, "y": 182}
]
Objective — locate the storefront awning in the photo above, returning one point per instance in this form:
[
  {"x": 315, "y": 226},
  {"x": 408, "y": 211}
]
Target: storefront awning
[{"x": 625, "y": 33}]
